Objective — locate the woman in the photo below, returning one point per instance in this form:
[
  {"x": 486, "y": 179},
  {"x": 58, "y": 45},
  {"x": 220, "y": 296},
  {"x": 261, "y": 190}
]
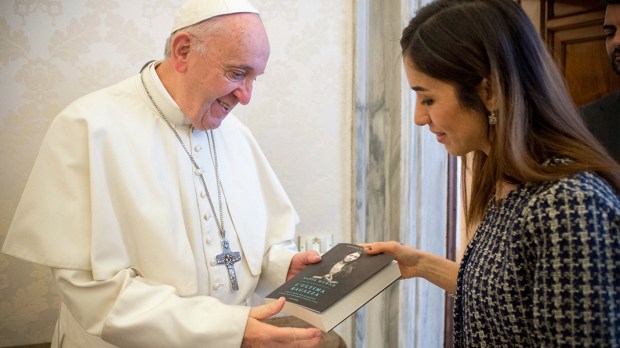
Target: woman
[
  {"x": 543, "y": 266},
  {"x": 340, "y": 269}
]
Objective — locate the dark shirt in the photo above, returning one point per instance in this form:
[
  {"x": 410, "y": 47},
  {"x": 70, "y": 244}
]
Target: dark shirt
[
  {"x": 543, "y": 269},
  {"x": 602, "y": 118}
]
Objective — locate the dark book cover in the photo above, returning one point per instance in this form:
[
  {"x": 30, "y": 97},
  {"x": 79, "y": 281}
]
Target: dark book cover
[{"x": 342, "y": 269}]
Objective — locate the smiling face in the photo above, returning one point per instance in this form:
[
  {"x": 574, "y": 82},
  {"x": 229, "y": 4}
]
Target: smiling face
[
  {"x": 223, "y": 75},
  {"x": 612, "y": 37},
  {"x": 438, "y": 106}
]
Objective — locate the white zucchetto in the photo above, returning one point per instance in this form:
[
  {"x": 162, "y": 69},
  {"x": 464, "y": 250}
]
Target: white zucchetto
[{"x": 195, "y": 11}]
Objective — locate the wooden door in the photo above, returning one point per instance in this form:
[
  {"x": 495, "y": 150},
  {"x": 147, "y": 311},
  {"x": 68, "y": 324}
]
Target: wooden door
[{"x": 573, "y": 31}]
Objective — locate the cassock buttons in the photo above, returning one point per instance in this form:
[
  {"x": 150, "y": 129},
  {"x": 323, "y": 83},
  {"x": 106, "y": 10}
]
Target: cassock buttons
[
  {"x": 213, "y": 263},
  {"x": 207, "y": 216},
  {"x": 197, "y": 148},
  {"x": 209, "y": 240},
  {"x": 203, "y": 194},
  {"x": 198, "y": 171},
  {"x": 217, "y": 286}
]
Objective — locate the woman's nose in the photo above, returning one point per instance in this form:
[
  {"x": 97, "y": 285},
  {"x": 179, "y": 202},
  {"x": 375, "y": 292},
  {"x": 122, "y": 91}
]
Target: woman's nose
[{"x": 420, "y": 115}]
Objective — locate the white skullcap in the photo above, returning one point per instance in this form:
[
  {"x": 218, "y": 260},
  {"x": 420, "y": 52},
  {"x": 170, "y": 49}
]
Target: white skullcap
[{"x": 194, "y": 11}]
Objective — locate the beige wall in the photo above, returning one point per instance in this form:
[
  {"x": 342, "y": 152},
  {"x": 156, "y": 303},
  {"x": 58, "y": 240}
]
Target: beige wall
[
  {"x": 532, "y": 8},
  {"x": 301, "y": 113}
]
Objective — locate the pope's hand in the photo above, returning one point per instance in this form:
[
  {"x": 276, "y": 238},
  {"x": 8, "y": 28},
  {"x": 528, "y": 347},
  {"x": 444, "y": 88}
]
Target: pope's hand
[
  {"x": 301, "y": 261},
  {"x": 259, "y": 334}
]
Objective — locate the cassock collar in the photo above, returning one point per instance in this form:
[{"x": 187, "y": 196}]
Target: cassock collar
[{"x": 161, "y": 96}]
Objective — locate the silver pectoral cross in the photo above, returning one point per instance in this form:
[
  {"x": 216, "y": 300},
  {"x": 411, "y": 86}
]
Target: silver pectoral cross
[{"x": 229, "y": 258}]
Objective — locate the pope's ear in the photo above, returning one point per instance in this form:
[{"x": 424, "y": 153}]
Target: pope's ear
[
  {"x": 180, "y": 47},
  {"x": 486, "y": 94}
]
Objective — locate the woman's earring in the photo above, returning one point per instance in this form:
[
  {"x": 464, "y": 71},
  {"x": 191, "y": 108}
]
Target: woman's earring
[{"x": 492, "y": 119}]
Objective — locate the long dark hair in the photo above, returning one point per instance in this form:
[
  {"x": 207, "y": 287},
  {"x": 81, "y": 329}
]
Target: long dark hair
[{"x": 462, "y": 42}]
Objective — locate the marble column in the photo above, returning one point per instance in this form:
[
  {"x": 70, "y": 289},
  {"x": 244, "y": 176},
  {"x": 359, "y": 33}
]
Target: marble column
[{"x": 400, "y": 180}]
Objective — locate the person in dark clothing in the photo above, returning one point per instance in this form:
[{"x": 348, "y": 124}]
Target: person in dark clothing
[{"x": 602, "y": 117}]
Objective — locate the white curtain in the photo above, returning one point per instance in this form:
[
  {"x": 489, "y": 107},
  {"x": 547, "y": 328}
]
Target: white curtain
[{"x": 400, "y": 180}]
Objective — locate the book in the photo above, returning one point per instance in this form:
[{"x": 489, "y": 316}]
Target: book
[{"x": 326, "y": 293}]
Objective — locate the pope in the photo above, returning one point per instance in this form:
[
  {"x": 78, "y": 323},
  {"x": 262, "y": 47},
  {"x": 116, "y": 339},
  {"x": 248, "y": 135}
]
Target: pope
[{"x": 154, "y": 207}]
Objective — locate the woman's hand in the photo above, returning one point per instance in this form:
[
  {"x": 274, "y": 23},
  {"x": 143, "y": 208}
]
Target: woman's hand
[
  {"x": 408, "y": 258},
  {"x": 417, "y": 263}
]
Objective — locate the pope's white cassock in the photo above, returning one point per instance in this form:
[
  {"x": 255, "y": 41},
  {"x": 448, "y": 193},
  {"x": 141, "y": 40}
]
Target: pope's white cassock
[{"x": 116, "y": 208}]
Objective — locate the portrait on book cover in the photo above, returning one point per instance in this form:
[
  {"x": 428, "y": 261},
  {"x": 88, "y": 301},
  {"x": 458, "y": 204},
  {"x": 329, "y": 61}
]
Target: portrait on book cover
[{"x": 341, "y": 269}]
